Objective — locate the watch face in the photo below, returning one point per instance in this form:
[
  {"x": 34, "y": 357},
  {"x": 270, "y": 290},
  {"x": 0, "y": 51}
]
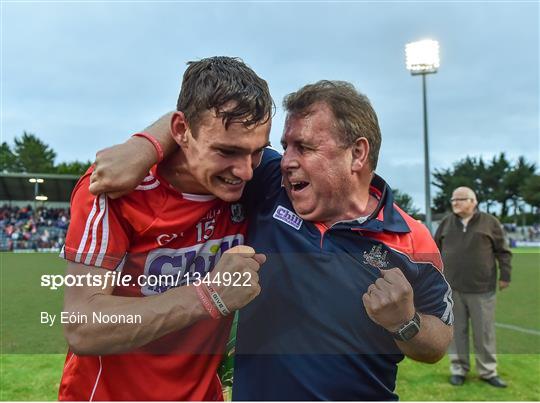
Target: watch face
[{"x": 410, "y": 331}]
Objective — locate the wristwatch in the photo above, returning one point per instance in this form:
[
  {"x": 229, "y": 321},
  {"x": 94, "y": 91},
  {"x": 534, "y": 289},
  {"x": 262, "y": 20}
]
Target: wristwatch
[{"x": 409, "y": 329}]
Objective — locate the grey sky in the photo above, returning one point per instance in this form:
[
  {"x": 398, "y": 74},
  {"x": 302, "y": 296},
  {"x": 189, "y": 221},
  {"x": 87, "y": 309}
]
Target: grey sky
[{"x": 85, "y": 75}]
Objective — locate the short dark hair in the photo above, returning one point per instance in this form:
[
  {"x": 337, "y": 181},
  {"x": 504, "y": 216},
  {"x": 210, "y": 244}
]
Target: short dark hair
[
  {"x": 211, "y": 83},
  {"x": 354, "y": 115}
]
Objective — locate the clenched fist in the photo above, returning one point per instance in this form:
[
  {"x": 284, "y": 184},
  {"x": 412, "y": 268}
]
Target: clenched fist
[
  {"x": 243, "y": 260},
  {"x": 389, "y": 301}
]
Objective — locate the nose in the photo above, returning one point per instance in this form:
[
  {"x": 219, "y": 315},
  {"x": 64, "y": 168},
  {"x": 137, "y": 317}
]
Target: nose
[
  {"x": 289, "y": 161},
  {"x": 243, "y": 168}
]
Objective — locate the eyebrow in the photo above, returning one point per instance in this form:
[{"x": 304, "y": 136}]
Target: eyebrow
[
  {"x": 228, "y": 147},
  {"x": 299, "y": 140}
]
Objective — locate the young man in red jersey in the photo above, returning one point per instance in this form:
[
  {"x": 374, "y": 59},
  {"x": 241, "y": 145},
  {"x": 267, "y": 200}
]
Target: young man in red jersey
[{"x": 161, "y": 240}]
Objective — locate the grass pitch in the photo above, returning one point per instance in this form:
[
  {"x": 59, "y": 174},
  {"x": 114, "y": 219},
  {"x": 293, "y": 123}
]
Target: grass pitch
[{"x": 32, "y": 354}]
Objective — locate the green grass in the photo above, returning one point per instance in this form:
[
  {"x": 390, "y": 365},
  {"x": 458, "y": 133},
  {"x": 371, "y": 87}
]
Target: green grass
[
  {"x": 518, "y": 353},
  {"x": 30, "y": 377},
  {"x": 22, "y": 300},
  {"x": 421, "y": 382},
  {"x": 32, "y": 354}
]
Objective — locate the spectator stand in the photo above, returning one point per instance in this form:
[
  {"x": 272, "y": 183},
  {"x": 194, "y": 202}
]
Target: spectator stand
[{"x": 34, "y": 212}]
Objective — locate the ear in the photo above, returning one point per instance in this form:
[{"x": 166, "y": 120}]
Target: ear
[
  {"x": 179, "y": 129},
  {"x": 360, "y": 153}
]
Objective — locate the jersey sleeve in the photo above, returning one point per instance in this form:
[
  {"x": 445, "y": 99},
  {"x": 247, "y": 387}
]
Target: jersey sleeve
[
  {"x": 266, "y": 179},
  {"x": 97, "y": 235},
  {"x": 432, "y": 293}
]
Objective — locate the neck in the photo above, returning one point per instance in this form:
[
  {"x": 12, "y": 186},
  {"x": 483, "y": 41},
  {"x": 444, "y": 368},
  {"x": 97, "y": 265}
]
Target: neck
[
  {"x": 176, "y": 171},
  {"x": 360, "y": 203},
  {"x": 466, "y": 218}
]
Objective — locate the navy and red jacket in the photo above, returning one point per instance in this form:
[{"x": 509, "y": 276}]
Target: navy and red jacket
[{"x": 307, "y": 336}]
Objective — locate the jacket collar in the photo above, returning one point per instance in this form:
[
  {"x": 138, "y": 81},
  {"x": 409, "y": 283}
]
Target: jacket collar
[
  {"x": 385, "y": 217},
  {"x": 474, "y": 217}
]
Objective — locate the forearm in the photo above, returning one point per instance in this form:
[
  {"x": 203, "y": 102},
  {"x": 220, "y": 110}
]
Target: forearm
[
  {"x": 431, "y": 342},
  {"x": 159, "y": 314},
  {"x": 505, "y": 266},
  {"x": 121, "y": 168},
  {"x": 161, "y": 131}
]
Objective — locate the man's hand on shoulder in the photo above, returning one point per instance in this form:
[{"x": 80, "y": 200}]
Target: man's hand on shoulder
[{"x": 121, "y": 168}]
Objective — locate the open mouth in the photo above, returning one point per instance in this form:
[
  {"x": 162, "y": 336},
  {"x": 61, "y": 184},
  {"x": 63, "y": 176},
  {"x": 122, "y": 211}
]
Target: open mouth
[
  {"x": 231, "y": 182},
  {"x": 298, "y": 186}
]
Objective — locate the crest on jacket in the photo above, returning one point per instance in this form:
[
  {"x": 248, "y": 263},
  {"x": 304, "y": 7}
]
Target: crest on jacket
[{"x": 376, "y": 258}]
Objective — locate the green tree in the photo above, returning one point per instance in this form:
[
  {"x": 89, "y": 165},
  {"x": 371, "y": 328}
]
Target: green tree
[
  {"x": 33, "y": 155},
  {"x": 514, "y": 180},
  {"x": 466, "y": 172},
  {"x": 405, "y": 202},
  {"x": 530, "y": 191},
  {"x": 493, "y": 182},
  {"x": 8, "y": 160},
  {"x": 73, "y": 167},
  {"x": 497, "y": 182}
]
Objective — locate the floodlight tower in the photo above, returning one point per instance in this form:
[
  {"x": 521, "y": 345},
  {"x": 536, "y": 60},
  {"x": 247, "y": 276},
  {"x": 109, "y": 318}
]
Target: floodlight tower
[
  {"x": 422, "y": 58},
  {"x": 36, "y": 182}
]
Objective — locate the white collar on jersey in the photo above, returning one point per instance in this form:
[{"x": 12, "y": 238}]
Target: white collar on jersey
[{"x": 198, "y": 198}]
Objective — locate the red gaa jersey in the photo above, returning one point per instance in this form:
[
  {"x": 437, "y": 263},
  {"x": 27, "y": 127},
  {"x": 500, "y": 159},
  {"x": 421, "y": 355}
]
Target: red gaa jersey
[{"x": 152, "y": 231}]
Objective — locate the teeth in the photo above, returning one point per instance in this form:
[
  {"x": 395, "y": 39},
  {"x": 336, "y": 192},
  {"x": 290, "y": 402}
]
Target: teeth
[
  {"x": 232, "y": 182},
  {"x": 298, "y": 185}
]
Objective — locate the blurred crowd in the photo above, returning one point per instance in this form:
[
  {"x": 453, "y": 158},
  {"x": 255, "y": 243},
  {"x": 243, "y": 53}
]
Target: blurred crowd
[
  {"x": 528, "y": 233},
  {"x": 45, "y": 229},
  {"x": 26, "y": 228}
]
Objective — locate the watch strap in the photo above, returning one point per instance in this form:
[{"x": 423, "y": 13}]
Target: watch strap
[{"x": 408, "y": 330}]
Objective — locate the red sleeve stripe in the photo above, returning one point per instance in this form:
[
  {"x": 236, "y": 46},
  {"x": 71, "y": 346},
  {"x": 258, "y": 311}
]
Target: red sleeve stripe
[
  {"x": 104, "y": 236},
  {"x": 90, "y": 254},
  {"x": 82, "y": 244}
]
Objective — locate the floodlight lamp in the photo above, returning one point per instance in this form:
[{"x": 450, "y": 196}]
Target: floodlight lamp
[
  {"x": 422, "y": 57},
  {"x": 42, "y": 198},
  {"x": 34, "y": 180}
]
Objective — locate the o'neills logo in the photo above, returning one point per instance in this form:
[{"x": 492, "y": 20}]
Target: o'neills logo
[
  {"x": 376, "y": 258},
  {"x": 288, "y": 217}
]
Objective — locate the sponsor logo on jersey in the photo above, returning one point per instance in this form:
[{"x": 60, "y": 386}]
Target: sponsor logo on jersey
[
  {"x": 288, "y": 217},
  {"x": 174, "y": 266},
  {"x": 376, "y": 258},
  {"x": 164, "y": 239},
  {"x": 211, "y": 214},
  {"x": 237, "y": 213}
]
